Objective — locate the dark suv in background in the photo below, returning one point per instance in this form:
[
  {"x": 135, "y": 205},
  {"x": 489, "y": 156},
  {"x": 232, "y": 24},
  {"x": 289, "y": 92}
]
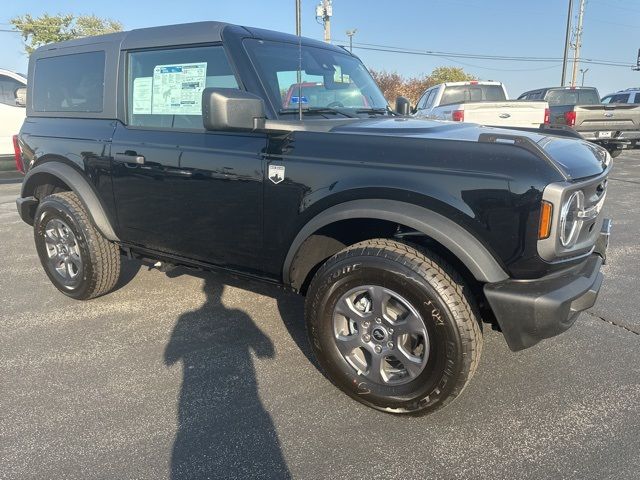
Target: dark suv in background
[{"x": 182, "y": 144}]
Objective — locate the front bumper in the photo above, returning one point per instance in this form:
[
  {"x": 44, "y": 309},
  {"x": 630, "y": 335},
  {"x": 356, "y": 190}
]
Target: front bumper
[{"x": 531, "y": 310}]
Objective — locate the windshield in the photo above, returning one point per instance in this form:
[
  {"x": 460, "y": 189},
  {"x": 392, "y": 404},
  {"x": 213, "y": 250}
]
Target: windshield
[
  {"x": 329, "y": 79},
  {"x": 573, "y": 97},
  {"x": 472, "y": 93}
]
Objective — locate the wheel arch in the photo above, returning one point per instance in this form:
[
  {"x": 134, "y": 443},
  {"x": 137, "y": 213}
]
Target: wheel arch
[
  {"x": 462, "y": 244},
  {"x": 59, "y": 173}
]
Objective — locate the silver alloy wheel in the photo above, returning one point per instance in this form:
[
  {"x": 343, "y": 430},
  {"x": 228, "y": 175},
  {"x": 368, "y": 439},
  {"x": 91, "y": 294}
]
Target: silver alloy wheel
[
  {"x": 381, "y": 335},
  {"x": 63, "y": 252}
]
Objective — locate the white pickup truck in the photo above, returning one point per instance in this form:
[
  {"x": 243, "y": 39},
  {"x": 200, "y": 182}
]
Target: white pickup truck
[
  {"x": 12, "y": 113},
  {"x": 485, "y": 103}
]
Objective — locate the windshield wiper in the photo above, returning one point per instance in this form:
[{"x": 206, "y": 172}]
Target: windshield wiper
[
  {"x": 381, "y": 111},
  {"x": 317, "y": 111}
]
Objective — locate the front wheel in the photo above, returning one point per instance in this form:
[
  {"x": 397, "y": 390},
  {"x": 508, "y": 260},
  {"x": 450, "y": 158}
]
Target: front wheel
[
  {"x": 393, "y": 327},
  {"x": 78, "y": 260}
]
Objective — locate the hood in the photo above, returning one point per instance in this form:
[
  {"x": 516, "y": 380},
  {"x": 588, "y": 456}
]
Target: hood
[{"x": 574, "y": 158}]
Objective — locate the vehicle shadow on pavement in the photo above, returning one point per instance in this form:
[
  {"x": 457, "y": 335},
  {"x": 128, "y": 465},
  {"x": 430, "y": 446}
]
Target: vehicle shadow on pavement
[
  {"x": 223, "y": 429},
  {"x": 128, "y": 271}
]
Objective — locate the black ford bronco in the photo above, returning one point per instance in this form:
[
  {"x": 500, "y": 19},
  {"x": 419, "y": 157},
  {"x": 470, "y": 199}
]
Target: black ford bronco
[{"x": 218, "y": 146}]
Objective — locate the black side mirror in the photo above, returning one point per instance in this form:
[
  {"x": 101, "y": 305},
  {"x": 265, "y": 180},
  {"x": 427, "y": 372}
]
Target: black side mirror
[
  {"x": 402, "y": 106},
  {"x": 231, "y": 109},
  {"x": 20, "y": 95}
]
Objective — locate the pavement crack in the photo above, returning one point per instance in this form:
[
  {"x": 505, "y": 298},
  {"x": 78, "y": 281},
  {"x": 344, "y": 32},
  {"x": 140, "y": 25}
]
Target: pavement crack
[
  {"x": 615, "y": 324},
  {"x": 625, "y": 180}
]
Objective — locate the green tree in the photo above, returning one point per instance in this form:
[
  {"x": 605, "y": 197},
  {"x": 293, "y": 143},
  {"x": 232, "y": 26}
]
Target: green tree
[
  {"x": 449, "y": 74},
  {"x": 37, "y": 31}
]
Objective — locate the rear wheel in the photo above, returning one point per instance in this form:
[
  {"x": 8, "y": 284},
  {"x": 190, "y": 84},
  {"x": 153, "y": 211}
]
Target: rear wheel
[
  {"x": 78, "y": 260},
  {"x": 393, "y": 327}
]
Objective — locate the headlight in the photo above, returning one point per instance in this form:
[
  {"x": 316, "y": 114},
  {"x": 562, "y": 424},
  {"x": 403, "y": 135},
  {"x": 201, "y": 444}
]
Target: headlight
[{"x": 570, "y": 221}]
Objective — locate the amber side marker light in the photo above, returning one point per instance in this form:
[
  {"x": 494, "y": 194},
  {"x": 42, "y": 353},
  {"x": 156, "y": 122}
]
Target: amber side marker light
[{"x": 546, "y": 213}]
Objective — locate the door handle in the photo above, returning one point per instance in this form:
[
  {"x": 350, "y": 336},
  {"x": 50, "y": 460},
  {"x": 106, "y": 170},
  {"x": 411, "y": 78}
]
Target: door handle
[{"x": 129, "y": 158}]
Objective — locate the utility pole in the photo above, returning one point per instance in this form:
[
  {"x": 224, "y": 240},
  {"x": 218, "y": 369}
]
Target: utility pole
[
  {"x": 576, "y": 52},
  {"x": 583, "y": 71},
  {"x": 567, "y": 42},
  {"x": 324, "y": 12},
  {"x": 350, "y": 34}
]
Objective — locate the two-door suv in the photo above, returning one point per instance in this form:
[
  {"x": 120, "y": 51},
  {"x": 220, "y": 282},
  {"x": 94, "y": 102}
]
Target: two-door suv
[{"x": 202, "y": 145}]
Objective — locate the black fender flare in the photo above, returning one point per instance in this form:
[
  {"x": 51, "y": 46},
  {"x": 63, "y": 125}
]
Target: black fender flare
[
  {"x": 467, "y": 248},
  {"x": 79, "y": 185}
]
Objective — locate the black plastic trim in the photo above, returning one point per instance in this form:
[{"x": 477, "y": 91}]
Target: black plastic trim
[
  {"x": 27, "y": 208},
  {"x": 467, "y": 248},
  {"x": 74, "y": 180},
  {"x": 531, "y": 310}
]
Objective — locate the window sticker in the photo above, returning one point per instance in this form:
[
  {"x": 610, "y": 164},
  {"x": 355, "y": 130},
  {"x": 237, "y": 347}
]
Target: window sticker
[
  {"x": 177, "y": 89},
  {"x": 142, "y": 95}
]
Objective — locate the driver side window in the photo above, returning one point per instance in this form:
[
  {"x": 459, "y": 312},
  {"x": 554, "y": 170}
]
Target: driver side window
[{"x": 165, "y": 86}]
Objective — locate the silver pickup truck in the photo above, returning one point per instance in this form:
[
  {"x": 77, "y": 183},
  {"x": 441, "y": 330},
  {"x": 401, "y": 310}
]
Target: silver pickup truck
[{"x": 614, "y": 126}]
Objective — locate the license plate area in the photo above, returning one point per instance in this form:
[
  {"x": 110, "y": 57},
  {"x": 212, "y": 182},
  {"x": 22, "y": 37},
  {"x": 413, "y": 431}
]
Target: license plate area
[{"x": 605, "y": 134}]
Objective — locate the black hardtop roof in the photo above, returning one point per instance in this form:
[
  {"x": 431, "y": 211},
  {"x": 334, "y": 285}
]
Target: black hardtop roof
[{"x": 180, "y": 34}]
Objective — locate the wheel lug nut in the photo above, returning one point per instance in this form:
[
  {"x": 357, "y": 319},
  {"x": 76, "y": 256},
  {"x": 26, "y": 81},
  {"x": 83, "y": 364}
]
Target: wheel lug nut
[
  {"x": 390, "y": 344},
  {"x": 390, "y": 331},
  {"x": 378, "y": 348},
  {"x": 365, "y": 324},
  {"x": 378, "y": 320},
  {"x": 366, "y": 338}
]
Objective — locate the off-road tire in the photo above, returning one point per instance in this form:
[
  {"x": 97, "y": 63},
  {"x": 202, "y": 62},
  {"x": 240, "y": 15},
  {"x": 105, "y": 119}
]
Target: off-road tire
[
  {"x": 436, "y": 291},
  {"x": 100, "y": 257}
]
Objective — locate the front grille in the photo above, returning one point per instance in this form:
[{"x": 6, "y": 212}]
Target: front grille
[{"x": 595, "y": 192}]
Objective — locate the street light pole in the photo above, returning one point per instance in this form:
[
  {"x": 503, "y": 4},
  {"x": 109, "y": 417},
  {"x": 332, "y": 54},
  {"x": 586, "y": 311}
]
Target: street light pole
[
  {"x": 350, "y": 34},
  {"x": 567, "y": 41},
  {"x": 583, "y": 71},
  {"x": 298, "y": 26}
]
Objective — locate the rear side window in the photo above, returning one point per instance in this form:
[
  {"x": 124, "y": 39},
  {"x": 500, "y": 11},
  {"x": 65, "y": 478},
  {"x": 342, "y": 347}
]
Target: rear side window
[
  {"x": 165, "y": 86},
  {"x": 572, "y": 97},
  {"x": 69, "y": 83},
  {"x": 472, "y": 93}
]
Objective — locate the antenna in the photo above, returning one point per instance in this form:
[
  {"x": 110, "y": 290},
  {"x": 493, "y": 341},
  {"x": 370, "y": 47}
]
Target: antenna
[{"x": 299, "y": 72}]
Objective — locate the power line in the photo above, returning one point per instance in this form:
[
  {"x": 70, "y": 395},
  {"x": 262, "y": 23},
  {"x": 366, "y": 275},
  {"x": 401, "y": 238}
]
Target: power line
[{"x": 477, "y": 56}]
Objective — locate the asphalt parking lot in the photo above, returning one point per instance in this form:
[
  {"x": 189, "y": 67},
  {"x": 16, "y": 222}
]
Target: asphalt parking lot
[{"x": 202, "y": 376}]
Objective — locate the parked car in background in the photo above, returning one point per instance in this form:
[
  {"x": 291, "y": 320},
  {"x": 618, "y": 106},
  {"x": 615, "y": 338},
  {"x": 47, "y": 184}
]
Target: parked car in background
[
  {"x": 480, "y": 102},
  {"x": 615, "y": 126},
  {"x": 630, "y": 95},
  {"x": 12, "y": 113}
]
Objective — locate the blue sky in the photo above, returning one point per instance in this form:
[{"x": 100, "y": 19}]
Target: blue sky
[{"x": 494, "y": 27}]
